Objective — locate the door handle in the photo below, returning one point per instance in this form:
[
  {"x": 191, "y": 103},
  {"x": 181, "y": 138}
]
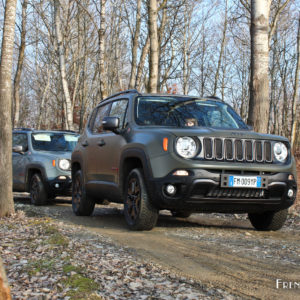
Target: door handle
[
  {"x": 101, "y": 143},
  {"x": 84, "y": 144}
]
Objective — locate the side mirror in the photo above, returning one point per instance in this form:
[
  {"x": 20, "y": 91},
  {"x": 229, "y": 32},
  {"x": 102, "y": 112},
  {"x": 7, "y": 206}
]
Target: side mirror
[
  {"x": 18, "y": 149},
  {"x": 111, "y": 123}
]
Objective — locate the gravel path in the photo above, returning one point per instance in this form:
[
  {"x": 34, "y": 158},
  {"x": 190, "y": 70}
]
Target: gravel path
[{"x": 48, "y": 259}]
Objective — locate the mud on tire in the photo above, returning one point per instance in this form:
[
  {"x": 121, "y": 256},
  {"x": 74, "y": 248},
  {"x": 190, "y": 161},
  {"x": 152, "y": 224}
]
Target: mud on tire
[
  {"x": 139, "y": 213},
  {"x": 272, "y": 220},
  {"x": 82, "y": 205},
  {"x": 38, "y": 193}
]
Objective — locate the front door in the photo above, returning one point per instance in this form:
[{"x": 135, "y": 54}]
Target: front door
[
  {"x": 113, "y": 142},
  {"x": 94, "y": 149}
]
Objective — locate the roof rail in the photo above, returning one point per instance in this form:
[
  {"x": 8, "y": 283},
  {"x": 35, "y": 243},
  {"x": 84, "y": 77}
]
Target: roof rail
[
  {"x": 64, "y": 130},
  {"x": 213, "y": 97},
  {"x": 23, "y": 128},
  {"x": 121, "y": 93}
]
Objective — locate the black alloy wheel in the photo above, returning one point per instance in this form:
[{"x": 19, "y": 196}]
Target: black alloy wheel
[
  {"x": 133, "y": 199},
  {"x": 82, "y": 205},
  {"x": 38, "y": 194},
  {"x": 139, "y": 212}
]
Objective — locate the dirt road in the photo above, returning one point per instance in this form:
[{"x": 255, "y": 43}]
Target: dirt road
[{"x": 220, "y": 251}]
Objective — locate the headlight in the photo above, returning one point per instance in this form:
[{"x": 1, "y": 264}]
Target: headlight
[
  {"x": 280, "y": 151},
  {"x": 64, "y": 164},
  {"x": 186, "y": 147}
]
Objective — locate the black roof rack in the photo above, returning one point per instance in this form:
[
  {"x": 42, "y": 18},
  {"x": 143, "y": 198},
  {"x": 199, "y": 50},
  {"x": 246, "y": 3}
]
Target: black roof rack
[
  {"x": 23, "y": 128},
  {"x": 213, "y": 97},
  {"x": 64, "y": 130},
  {"x": 121, "y": 93}
]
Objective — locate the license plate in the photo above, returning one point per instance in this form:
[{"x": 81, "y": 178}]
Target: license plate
[{"x": 245, "y": 181}]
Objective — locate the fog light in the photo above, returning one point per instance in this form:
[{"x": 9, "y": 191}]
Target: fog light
[
  {"x": 290, "y": 193},
  {"x": 171, "y": 189},
  {"x": 56, "y": 185}
]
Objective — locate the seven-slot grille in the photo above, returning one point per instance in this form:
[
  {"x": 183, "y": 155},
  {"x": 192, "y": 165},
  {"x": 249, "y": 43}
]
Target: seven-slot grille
[{"x": 237, "y": 150}]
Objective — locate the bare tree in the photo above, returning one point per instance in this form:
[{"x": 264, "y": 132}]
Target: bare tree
[
  {"x": 62, "y": 66},
  {"x": 295, "y": 96},
  {"x": 6, "y": 196},
  {"x": 259, "y": 83},
  {"x": 135, "y": 41},
  {"x": 17, "y": 80},
  {"x": 102, "y": 73},
  {"x": 153, "y": 59},
  {"x": 141, "y": 64},
  {"x": 277, "y": 11},
  {"x": 221, "y": 50}
]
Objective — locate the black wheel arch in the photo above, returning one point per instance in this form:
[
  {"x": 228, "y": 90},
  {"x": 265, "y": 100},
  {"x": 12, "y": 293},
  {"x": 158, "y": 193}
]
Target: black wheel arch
[
  {"x": 76, "y": 165},
  {"x": 131, "y": 159},
  {"x": 31, "y": 169}
]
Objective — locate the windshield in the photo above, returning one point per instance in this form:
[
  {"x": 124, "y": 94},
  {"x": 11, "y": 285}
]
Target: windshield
[
  {"x": 185, "y": 112},
  {"x": 48, "y": 141}
]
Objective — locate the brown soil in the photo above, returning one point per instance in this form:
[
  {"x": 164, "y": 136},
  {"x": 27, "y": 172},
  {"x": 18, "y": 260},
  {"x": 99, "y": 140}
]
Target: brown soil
[{"x": 215, "y": 250}]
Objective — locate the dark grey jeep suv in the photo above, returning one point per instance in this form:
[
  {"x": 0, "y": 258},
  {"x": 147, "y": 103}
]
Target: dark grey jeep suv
[
  {"x": 182, "y": 153},
  {"x": 42, "y": 163}
]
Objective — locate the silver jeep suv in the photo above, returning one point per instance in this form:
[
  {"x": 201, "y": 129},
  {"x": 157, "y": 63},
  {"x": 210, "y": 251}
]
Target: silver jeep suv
[{"x": 41, "y": 163}]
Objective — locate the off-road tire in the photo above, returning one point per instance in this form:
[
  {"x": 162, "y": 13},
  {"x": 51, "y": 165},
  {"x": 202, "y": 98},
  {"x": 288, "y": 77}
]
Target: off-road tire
[
  {"x": 272, "y": 220},
  {"x": 139, "y": 212},
  {"x": 38, "y": 193},
  {"x": 82, "y": 205},
  {"x": 181, "y": 214}
]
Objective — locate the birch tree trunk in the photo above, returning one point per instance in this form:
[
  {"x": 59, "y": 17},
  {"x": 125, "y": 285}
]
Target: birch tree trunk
[
  {"x": 101, "y": 33},
  {"x": 135, "y": 44},
  {"x": 185, "y": 54},
  {"x": 259, "y": 83},
  {"x": 44, "y": 95},
  {"x": 140, "y": 68},
  {"x": 153, "y": 59},
  {"x": 20, "y": 66},
  {"x": 295, "y": 96},
  {"x": 62, "y": 67},
  {"x": 6, "y": 196},
  {"x": 221, "y": 51},
  {"x": 161, "y": 46}
]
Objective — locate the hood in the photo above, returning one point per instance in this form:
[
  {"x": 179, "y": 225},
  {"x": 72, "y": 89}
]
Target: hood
[
  {"x": 54, "y": 154},
  {"x": 223, "y": 133}
]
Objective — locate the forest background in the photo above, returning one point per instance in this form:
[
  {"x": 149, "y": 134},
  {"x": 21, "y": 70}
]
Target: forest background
[{"x": 70, "y": 54}]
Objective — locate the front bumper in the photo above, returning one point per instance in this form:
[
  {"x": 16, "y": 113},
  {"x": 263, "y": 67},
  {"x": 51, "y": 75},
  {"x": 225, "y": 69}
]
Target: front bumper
[
  {"x": 202, "y": 191},
  {"x": 61, "y": 185}
]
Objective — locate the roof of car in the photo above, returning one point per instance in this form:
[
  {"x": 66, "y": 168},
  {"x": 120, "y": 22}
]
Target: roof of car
[
  {"x": 134, "y": 92},
  {"x": 41, "y": 130}
]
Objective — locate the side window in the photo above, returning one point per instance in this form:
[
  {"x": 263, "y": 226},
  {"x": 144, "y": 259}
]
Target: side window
[
  {"x": 20, "y": 139},
  {"x": 119, "y": 109},
  {"x": 101, "y": 113}
]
